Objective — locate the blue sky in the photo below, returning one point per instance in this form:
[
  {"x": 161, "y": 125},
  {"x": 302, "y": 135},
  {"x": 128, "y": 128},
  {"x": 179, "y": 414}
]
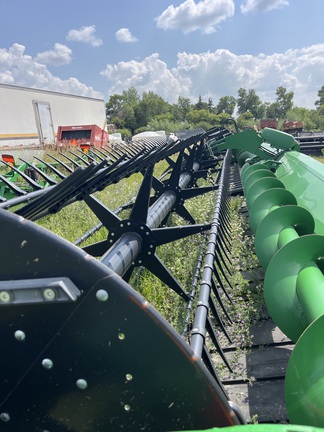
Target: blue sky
[{"x": 181, "y": 47}]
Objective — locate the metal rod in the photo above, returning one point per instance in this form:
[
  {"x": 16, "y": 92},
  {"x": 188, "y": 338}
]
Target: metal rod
[{"x": 199, "y": 325}]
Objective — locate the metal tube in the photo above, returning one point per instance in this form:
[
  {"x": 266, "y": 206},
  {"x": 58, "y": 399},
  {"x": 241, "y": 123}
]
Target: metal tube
[
  {"x": 310, "y": 291},
  {"x": 160, "y": 209},
  {"x": 286, "y": 235},
  {"x": 24, "y": 198},
  {"x": 125, "y": 251},
  {"x": 120, "y": 257}
]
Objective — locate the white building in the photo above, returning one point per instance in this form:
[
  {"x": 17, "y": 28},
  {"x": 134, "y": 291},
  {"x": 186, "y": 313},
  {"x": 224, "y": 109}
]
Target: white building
[{"x": 30, "y": 117}]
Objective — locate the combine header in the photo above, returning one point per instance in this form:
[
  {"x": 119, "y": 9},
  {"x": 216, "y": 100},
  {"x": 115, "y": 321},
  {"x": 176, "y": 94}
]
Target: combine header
[{"x": 83, "y": 351}]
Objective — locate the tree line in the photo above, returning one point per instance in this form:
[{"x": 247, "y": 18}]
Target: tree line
[{"x": 130, "y": 113}]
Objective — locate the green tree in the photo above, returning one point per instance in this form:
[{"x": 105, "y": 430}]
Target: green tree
[
  {"x": 262, "y": 111},
  {"x": 304, "y": 115},
  {"x": 150, "y": 106},
  {"x": 226, "y": 104},
  {"x": 210, "y": 104},
  {"x": 115, "y": 107},
  {"x": 221, "y": 117},
  {"x": 284, "y": 101},
  {"x": 117, "y": 121},
  {"x": 197, "y": 116},
  {"x": 317, "y": 117},
  {"x": 131, "y": 97},
  {"x": 245, "y": 119},
  {"x": 205, "y": 119},
  {"x": 282, "y": 104},
  {"x": 120, "y": 109},
  {"x": 320, "y": 117},
  {"x": 130, "y": 119},
  {"x": 320, "y": 100},
  {"x": 200, "y": 105},
  {"x": 272, "y": 110},
  {"x": 248, "y": 101},
  {"x": 166, "y": 122},
  {"x": 181, "y": 109},
  {"x": 125, "y": 133}
]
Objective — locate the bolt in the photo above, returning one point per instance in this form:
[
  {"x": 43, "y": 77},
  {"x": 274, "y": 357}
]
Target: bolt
[
  {"x": 20, "y": 335},
  {"x": 47, "y": 363},
  {"x": 49, "y": 294},
  {"x": 4, "y": 297},
  {"x": 81, "y": 384},
  {"x": 102, "y": 295},
  {"x": 5, "y": 417}
]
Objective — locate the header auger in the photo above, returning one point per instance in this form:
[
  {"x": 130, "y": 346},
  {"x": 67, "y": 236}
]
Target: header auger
[
  {"x": 83, "y": 351},
  {"x": 284, "y": 195}
]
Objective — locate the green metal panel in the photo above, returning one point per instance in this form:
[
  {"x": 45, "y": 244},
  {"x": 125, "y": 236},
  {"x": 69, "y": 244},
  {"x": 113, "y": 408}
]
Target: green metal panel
[
  {"x": 265, "y": 428},
  {"x": 304, "y": 378},
  {"x": 304, "y": 177}
]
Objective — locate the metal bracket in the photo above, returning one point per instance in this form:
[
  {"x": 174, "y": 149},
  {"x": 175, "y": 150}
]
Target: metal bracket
[{"x": 31, "y": 291}]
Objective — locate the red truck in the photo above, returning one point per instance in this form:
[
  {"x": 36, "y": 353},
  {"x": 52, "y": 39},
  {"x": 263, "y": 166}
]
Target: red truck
[{"x": 79, "y": 135}]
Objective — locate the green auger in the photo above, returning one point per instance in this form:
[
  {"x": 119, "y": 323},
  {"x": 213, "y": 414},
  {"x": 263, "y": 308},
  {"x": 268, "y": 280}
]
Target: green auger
[{"x": 284, "y": 193}]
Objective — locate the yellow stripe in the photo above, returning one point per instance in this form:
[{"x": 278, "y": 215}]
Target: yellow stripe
[
  {"x": 8, "y": 136},
  {"x": 18, "y": 136}
]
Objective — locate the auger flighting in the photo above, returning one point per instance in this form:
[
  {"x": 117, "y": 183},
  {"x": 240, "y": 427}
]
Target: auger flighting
[{"x": 284, "y": 195}]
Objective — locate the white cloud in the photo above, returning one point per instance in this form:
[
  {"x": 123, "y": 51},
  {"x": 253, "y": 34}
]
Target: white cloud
[
  {"x": 209, "y": 74},
  {"x": 18, "y": 68},
  {"x": 221, "y": 73},
  {"x": 151, "y": 74},
  {"x": 85, "y": 35},
  {"x": 125, "y": 36},
  {"x": 189, "y": 16},
  {"x": 58, "y": 56},
  {"x": 262, "y": 5},
  {"x": 6, "y": 77}
]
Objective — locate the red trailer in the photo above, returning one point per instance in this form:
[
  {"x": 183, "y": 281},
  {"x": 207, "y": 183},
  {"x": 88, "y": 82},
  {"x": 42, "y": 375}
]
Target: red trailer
[
  {"x": 292, "y": 127},
  {"x": 79, "y": 135},
  {"x": 269, "y": 123}
]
